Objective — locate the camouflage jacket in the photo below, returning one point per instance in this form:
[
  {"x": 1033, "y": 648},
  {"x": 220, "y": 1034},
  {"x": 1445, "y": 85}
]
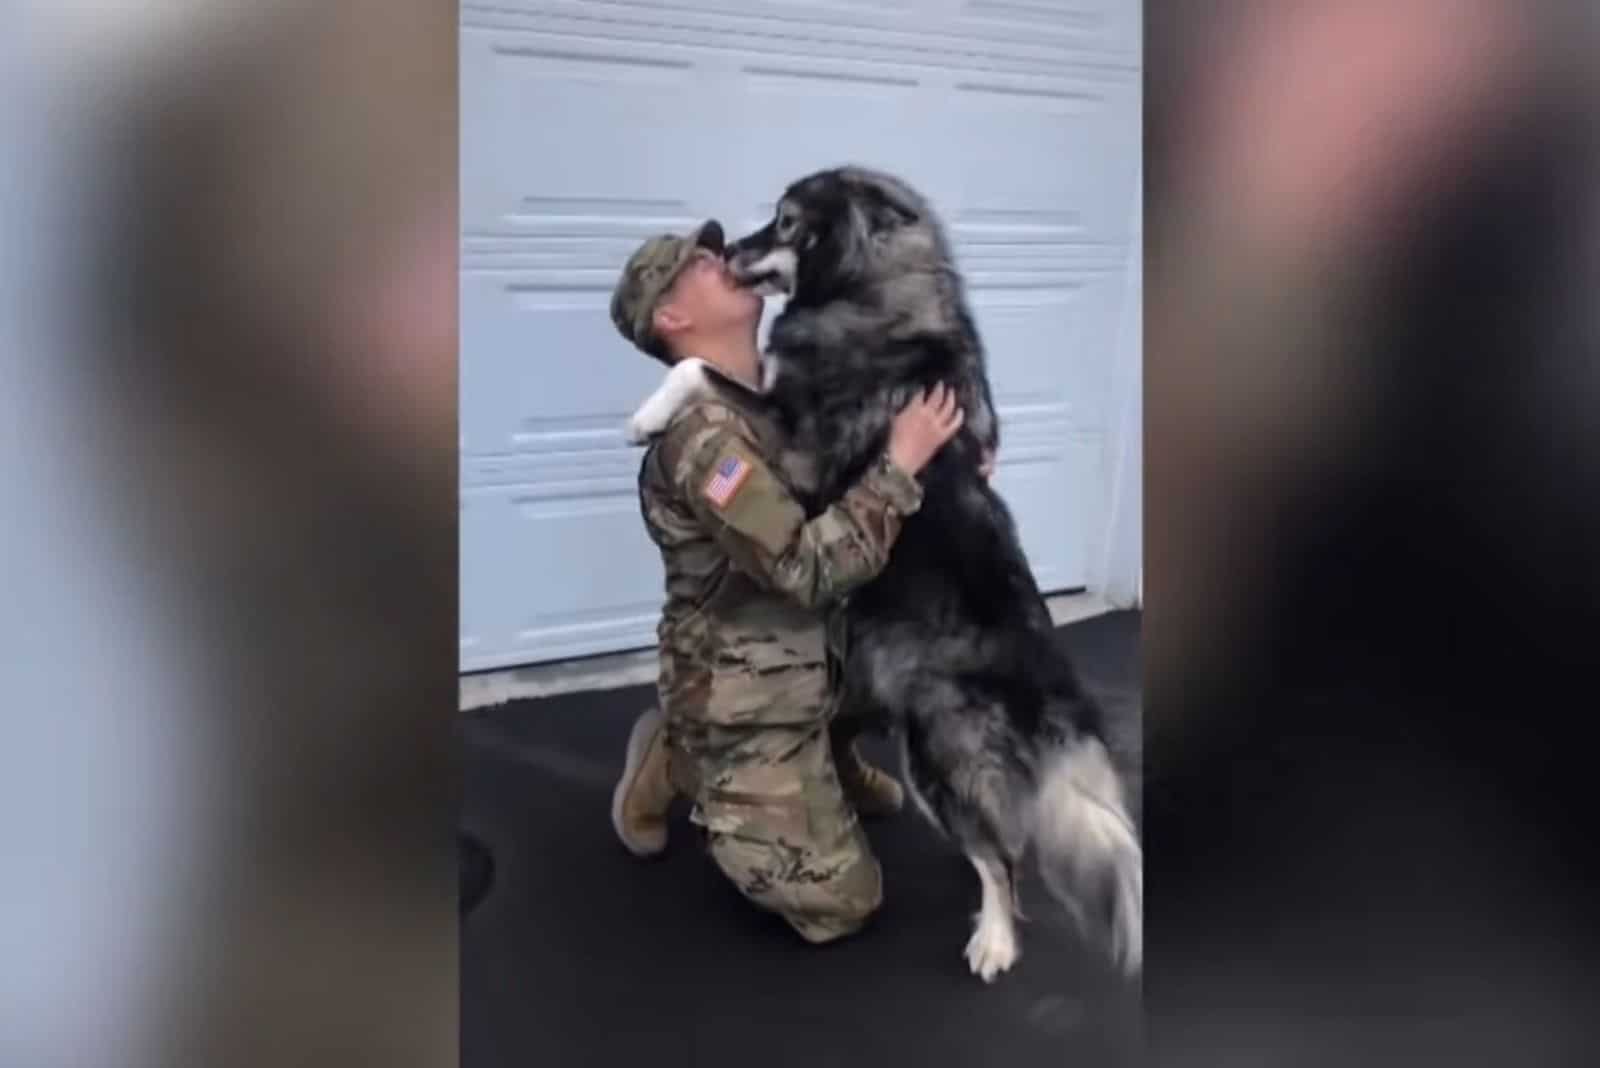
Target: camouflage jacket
[{"x": 748, "y": 576}]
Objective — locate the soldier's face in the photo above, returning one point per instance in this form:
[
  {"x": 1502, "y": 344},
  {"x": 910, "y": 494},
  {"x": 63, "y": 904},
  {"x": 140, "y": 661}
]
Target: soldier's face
[{"x": 706, "y": 296}]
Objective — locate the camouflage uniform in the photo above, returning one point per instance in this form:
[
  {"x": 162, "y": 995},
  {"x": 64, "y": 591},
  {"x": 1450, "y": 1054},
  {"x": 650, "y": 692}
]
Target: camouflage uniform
[{"x": 744, "y": 677}]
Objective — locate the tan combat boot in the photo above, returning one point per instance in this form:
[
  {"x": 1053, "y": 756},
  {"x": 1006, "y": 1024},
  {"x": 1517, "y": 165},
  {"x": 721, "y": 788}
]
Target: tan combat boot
[
  {"x": 873, "y": 791},
  {"x": 644, "y": 793}
]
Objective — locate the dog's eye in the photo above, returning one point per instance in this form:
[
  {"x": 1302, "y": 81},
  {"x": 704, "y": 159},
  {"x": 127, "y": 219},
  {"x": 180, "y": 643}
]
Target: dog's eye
[{"x": 786, "y": 225}]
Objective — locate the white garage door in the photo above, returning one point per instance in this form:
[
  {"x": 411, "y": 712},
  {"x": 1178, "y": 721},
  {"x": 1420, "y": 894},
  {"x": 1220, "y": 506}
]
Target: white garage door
[{"x": 591, "y": 124}]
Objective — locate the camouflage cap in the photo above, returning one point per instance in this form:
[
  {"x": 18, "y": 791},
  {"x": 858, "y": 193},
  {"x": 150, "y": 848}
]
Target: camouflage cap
[{"x": 648, "y": 274}]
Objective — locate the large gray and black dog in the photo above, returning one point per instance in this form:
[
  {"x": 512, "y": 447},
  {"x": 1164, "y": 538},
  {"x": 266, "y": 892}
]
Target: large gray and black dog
[{"x": 952, "y": 645}]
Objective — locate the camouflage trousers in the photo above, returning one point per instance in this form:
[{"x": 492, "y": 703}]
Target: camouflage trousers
[
  {"x": 776, "y": 820},
  {"x": 780, "y": 828}
]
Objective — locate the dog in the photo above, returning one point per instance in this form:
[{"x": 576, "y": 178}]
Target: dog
[{"x": 951, "y": 648}]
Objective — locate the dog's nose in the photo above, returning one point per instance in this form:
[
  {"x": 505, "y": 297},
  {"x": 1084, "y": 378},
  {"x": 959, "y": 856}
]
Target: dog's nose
[{"x": 711, "y": 236}]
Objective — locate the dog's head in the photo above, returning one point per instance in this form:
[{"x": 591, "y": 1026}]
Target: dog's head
[{"x": 836, "y": 229}]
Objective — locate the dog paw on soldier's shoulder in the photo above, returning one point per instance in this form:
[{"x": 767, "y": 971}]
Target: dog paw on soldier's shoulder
[
  {"x": 637, "y": 431},
  {"x": 683, "y": 383}
]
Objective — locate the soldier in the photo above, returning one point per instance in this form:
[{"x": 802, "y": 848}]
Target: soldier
[{"x": 746, "y": 711}]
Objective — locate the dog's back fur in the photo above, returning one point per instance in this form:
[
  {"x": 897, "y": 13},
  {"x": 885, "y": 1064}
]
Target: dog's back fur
[{"x": 952, "y": 644}]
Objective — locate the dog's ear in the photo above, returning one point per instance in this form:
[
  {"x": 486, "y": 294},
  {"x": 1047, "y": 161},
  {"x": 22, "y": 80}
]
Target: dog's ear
[{"x": 886, "y": 209}]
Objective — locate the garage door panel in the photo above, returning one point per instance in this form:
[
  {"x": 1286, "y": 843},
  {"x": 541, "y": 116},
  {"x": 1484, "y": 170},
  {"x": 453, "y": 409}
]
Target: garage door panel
[
  {"x": 547, "y": 363},
  {"x": 797, "y": 121},
  {"x": 553, "y": 131},
  {"x": 940, "y": 33},
  {"x": 1046, "y": 476},
  {"x": 1026, "y": 332},
  {"x": 1055, "y": 156},
  {"x": 1109, "y": 27},
  {"x": 1048, "y": 342},
  {"x": 587, "y": 578}
]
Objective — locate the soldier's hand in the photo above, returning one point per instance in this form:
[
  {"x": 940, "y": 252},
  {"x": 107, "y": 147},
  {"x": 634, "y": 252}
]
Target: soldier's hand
[{"x": 922, "y": 428}]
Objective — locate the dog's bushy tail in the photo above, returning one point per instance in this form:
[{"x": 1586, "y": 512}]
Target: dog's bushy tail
[{"x": 1088, "y": 850}]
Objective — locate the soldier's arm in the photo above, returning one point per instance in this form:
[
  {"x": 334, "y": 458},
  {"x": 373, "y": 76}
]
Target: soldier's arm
[{"x": 763, "y": 528}]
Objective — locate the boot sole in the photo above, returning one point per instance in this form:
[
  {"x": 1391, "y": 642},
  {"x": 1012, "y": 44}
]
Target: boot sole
[{"x": 644, "y": 729}]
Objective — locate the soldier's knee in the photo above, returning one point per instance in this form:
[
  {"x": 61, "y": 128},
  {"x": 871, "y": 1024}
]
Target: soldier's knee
[
  {"x": 821, "y": 909},
  {"x": 841, "y": 906},
  {"x": 819, "y": 931}
]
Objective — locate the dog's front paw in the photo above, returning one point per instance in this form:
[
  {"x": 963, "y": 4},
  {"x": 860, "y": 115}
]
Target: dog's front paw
[
  {"x": 992, "y": 949},
  {"x": 640, "y": 429},
  {"x": 683, "y": 383},
  {"x": 653, "y": 415}
]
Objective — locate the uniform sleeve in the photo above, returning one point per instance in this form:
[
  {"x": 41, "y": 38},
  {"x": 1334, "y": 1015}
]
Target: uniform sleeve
[{"x": 757, "y": 521}]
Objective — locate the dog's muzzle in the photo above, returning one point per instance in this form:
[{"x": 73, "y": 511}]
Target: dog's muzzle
[{"x": 769, "y": 274}]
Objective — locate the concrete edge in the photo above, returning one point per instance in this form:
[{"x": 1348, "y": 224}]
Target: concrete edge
[{"x": 638, "y": 667}]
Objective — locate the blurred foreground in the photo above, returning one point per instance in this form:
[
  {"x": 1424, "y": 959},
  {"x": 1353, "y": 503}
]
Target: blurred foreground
[
  {"x": 1373, "y": 510},
  {"x": 231, "y": 538}
]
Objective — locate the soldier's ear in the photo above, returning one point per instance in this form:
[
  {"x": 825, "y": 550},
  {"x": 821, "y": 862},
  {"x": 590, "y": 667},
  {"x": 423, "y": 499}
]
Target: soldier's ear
[{"x": 669, "y": 319}]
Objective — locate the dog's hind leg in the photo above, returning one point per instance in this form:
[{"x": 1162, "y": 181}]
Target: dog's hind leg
[
  {"x": 971, "y": 796},
  {"x": 994, "y": 838},
  {"x": 993, "y": 947}
]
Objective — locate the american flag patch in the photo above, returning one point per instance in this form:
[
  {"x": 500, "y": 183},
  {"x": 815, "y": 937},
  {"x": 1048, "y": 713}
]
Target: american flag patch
[{"x": 726, "y": 479}]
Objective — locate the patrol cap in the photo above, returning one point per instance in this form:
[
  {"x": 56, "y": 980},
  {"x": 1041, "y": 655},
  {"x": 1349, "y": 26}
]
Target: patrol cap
[{"x": 648, "y": 274}]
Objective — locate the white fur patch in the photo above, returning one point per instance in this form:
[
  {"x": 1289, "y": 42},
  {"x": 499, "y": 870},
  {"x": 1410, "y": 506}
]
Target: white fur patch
[
  {"x": 1084, "y": 833},
  {"x": 782, "y": 264},
  {"x": 685, "y": 382},
  {"x": 771, "y": 369},
  {"x": 993, "y": 947}
]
